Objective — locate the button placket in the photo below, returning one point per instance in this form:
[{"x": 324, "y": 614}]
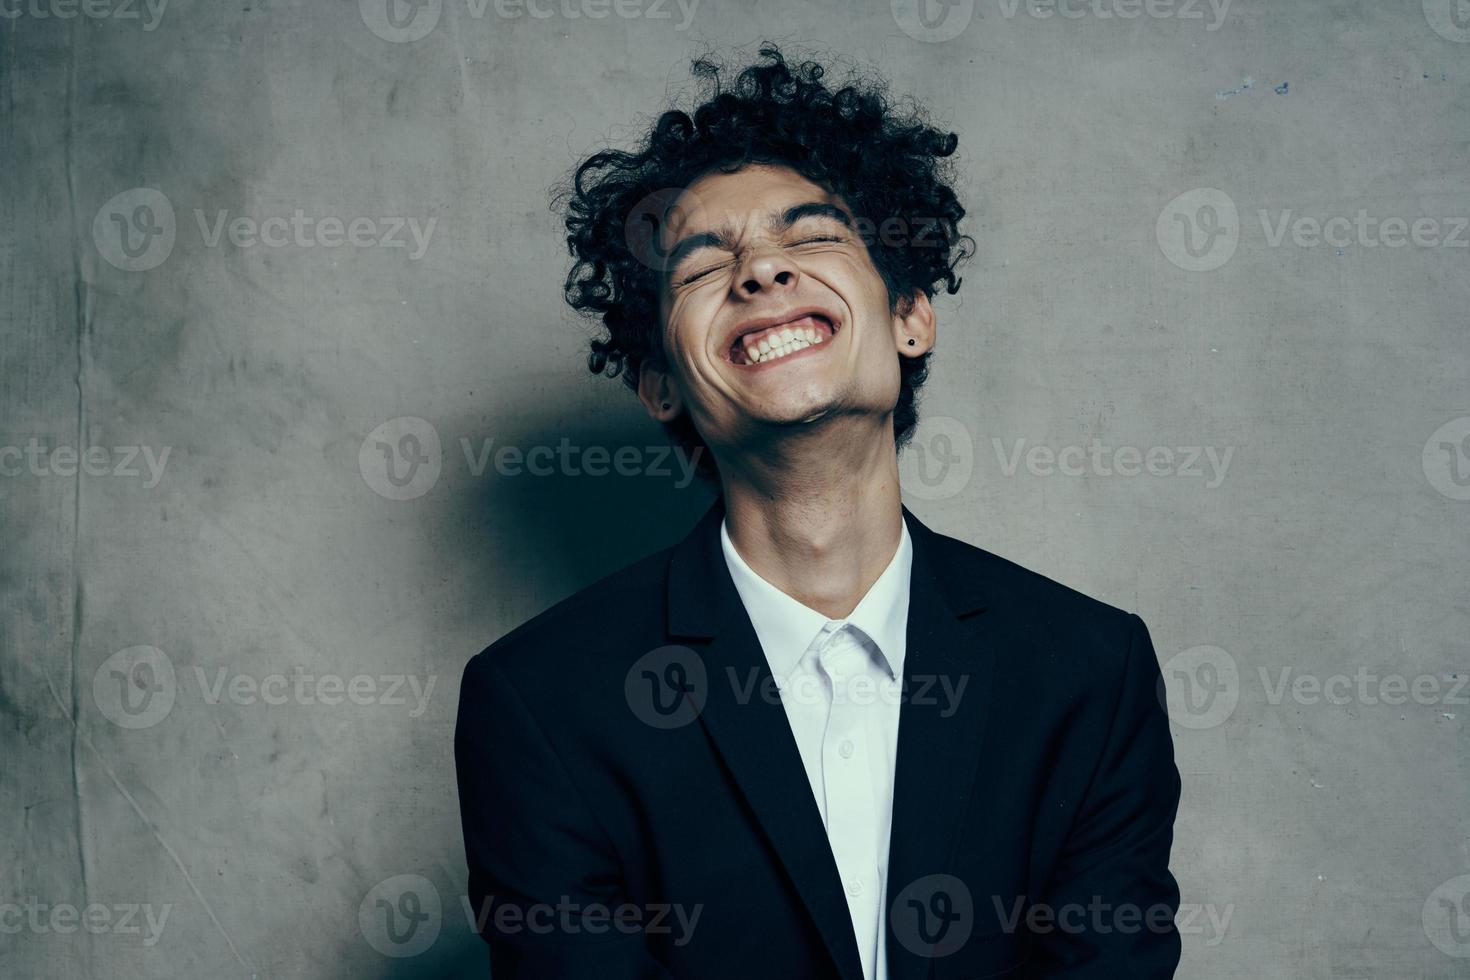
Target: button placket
[{"x": 851, "y": 817}]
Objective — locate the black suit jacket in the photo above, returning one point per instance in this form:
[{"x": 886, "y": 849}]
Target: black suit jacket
[{"x": 622, "y": 755}]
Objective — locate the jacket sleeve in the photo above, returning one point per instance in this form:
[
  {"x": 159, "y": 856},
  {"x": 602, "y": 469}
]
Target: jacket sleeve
[
  {"x": 1112, "y": 898},
  {"x": 545, "y": 883}
]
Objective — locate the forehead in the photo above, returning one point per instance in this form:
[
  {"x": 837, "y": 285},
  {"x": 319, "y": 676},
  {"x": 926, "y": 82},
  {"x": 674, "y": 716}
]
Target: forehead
[{"x": 755, "y": 193}]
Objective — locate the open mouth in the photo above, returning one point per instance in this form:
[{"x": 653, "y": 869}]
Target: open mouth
[{"x": 766, "y": 345}]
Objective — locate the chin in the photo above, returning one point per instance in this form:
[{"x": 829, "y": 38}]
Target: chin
[{"x": 797, "y": 414}]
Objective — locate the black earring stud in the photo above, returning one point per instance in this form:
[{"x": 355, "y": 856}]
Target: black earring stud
[
  {"x": 911, "y": 341},
  {"x": 667, "y": 405}
]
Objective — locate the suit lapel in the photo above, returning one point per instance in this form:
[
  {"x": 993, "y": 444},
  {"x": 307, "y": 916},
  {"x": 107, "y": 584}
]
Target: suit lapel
[
  {"x": 748, "y": 725},
  {"x": 939, "y": 733},
  {"x": 939, "y": 737}
]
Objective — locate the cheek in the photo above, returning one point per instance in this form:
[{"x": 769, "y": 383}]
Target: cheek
[
  {"x": 687, "y": 321},
  {"x": 856, "y": 279},
  {"x": 697, "y": 310}
]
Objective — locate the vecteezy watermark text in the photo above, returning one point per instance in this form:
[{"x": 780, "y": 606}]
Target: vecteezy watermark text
[
  {"x": 935, "y": 21},
  {"x": 37, "y": 459},
  {"x": 859, "y": 689},
  {"x": 63, "y": 918},
  {"x": 568, "y": 917},
  {"x": 137, "y": 229},
  {"x": 1201, "y": 229},
  {"x": 1363, "y": 230},
  {"x": 1101, "y": 917},
  {"x": 137, "y": 688},
  {"x": 405, "y": 21},
  {"x": 149, "y": 11},
  {"x": 1218, "y": 10},
  {"x": 304, "y": 231},
  {"x": 402, "y": 916},
  {"x": 667, "y": 688},
  {"x": 1200, "y": 687},
  {"x": 934, "y": 916},
  {"x": 402, "y": 459},
  {"x": 1366, "y": 687},
  {"x": 1097, "y": 459}
]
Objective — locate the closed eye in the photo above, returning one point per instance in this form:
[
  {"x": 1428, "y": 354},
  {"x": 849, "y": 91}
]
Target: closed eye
[
  {"x": 809, "y": 240},
  {"x": 695, "y": 277}
]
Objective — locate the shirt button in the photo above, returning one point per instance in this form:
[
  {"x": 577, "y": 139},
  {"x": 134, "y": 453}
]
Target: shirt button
[
  {"x": 845, "y": 749},
  {"x": 855, "y": 887}
]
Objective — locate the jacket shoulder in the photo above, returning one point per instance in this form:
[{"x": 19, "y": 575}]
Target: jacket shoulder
[
  {"x": 1011, "y": 586},
  {"x": 1054, "y": 634}
]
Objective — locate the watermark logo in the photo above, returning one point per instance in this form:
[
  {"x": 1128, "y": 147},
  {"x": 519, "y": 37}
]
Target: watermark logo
[
  {"x": 933, "y": 916},
  {"x": 940, "y": 460},
  {"x": 1446, "y": 917},
  {"x": 135, "y": 230},
  {"x": 1446, "y": 459},
  {"x": 400, "y": 21},
  {"x": 666, "y": 688},
  {"x": 402, "y": 458},
  {"x": 933, "y": 21},
  {"x": 1200, "y": 687},
  {"x": 403, "y": 21},
  {"x": 807, "y": 687},
  {"x": 401, "y": 917},
  {"x": 1450, "y": 19},
  {"x": 1120, "y": 10},
  {"x": 644, "y": 227},
  {"x": 136, "y": 687},
  {"x": 1199, "y": 230}
]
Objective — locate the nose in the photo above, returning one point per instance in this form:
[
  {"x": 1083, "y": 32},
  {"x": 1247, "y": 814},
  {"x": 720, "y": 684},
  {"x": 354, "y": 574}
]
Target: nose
[{"x": 767, "y": 270}]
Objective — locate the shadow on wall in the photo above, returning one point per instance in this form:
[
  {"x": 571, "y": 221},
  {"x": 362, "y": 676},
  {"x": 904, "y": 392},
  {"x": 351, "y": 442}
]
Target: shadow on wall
[
  {"x": 455, "y": 956},
  {"x": 516, "y": 537},
  {"x": 557, "y": 505}
]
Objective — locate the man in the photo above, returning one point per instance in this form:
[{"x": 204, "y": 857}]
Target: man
[{"x": 815, "y": 739}]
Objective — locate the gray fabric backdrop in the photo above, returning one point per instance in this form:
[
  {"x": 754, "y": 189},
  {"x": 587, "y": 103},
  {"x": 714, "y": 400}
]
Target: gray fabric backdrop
[{"x": 282, "y": 334}]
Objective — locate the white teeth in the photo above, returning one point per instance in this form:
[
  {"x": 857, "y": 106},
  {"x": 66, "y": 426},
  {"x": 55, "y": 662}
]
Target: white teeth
[
  {"x": 782, "y": 341},
  {"x": 779, "y": 351}
]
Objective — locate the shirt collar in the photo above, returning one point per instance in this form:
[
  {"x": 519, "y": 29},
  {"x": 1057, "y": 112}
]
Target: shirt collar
[{"x": 786, "y": 627}]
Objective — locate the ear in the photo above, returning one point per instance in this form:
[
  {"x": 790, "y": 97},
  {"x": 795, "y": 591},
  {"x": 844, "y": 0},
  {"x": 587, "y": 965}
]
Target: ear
[
  {"x": 913, "y": 325},
  {"x": 658, "y": 392}
]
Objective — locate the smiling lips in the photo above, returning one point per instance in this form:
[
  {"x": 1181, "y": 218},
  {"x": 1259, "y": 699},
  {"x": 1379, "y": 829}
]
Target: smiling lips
[{"x": 767, "y": 344}]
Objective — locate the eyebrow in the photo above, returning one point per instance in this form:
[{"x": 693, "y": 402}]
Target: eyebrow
[{"x": 724, "y": 238}]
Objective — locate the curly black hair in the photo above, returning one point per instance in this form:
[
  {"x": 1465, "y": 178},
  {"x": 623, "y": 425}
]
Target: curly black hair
[{"x": 884, "y": 160}]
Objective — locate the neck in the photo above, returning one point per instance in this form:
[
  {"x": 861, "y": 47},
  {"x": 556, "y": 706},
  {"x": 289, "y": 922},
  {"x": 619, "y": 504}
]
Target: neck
[{"x": 819, "y": 518}]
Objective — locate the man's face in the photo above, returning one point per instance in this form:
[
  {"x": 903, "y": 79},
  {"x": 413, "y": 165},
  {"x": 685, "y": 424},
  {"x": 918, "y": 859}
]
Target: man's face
[{"x": 765, "y": 258}]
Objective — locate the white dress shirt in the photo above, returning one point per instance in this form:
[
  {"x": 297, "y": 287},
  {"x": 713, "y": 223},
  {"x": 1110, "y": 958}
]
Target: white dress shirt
[{"x": 840, "y": 683}]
